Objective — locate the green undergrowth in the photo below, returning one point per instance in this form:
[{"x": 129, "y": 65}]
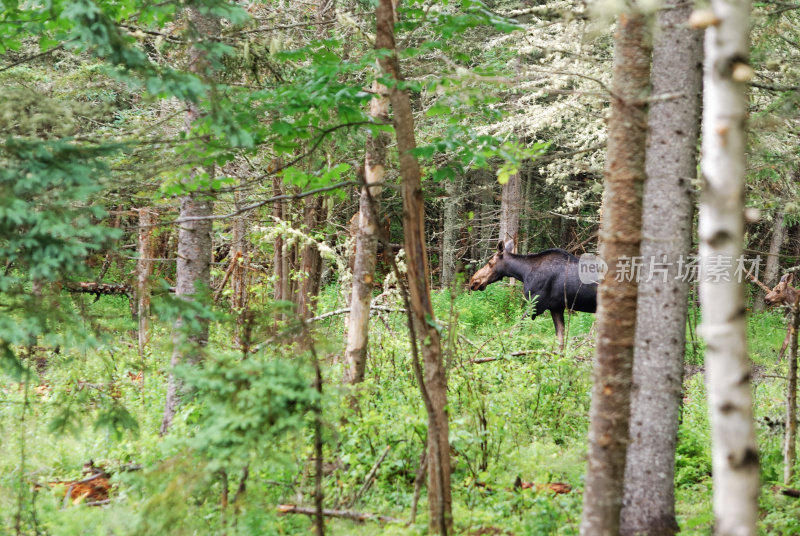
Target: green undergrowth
[{"x": 518, "y": 412}]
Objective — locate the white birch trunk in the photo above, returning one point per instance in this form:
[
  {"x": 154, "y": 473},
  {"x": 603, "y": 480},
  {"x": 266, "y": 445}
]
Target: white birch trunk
[
  {"x": 721, "y": 228},
  {"x": 366, "y": 244}
]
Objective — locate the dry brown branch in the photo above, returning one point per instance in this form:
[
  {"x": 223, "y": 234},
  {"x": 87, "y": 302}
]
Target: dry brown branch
[
  {"x": 370, "y": 476},
  {"x": 358, "y": 517},
  {"x": 234, "y": 261},
  {"x": 346, "y": 310}
]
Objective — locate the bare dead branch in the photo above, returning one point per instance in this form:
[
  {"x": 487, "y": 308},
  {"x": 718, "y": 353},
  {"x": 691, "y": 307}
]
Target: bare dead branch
[{"x": 359, "y": 517}]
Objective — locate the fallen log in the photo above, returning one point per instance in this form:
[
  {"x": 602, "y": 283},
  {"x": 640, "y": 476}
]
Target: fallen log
[
  {"x": 483, "y": 360},
  {"x": 100, "y": 289},
  {"x": 358, "y": 517}
]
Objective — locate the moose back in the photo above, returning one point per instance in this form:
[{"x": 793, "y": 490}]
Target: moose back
[{"x": 550, "y": 277}]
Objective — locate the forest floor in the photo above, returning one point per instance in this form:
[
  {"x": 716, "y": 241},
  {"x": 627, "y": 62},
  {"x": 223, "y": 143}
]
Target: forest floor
[{"x": 521, "y": 418}]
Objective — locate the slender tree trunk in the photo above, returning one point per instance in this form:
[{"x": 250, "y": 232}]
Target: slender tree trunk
[
  {"x": 434, "y": 388},
  {"x": 671, "y": 164},
  {"x": 144, "y": 269},
  {"x": 773, "y": 260},
  {"x": 473, "y": 181},
  {"x": 194, "y": 238},
  {"x": 721, "y": 230},
  {"x": 366, "y": 242},
  {"x": 790, "y": 439},
  {"x": 451, "y": 230},
  {"x": 487, "y": 222},
  {"x": 527, "y": 210},
  {"x": 280, "y": 262},
  {"x": 239, "y": 250},
  {"x": 616, "y": 311}
]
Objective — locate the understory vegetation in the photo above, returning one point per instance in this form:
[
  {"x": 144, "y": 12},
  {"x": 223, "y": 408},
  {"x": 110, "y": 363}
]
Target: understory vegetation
[{"x": 518, "y": 413}]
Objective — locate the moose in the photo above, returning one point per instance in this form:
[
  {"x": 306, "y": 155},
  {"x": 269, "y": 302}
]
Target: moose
[
  {"x": 549, "y": 277},
  {"x": 783, "y": 294}
]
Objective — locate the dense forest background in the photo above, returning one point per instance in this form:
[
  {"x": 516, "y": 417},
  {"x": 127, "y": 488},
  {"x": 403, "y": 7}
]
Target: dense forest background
[{"x": 236, "y": 244}]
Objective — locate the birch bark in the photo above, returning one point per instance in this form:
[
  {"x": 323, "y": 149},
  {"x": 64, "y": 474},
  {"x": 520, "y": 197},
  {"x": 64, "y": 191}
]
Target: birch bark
[
  {"x": 366, "y": 242},
  {"x": 721, "y": 229}
]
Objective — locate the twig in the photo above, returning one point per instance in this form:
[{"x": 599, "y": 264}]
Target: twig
[
  {"x": 423, "y": 466},
  {"x": 34, "y": 56},
  {"x": 284, "y": 27},
  {"x": 359, "y": 517},
  {"x": 478, "y": 361},
  {"x": 240, "y": 491},
  {"x": 370, "y": 477},
  {"x": 769, "y": 87},
  {"x": 483, "y": 360},
  {"x": 228, "y": 273},
  {"x": 282, "y": 197},
  {"x": 565, "y": 154},
  {"x": 753, "y": 279},
  {"x": 319, "y": 511},
  {"x": 346, "y": 310}
]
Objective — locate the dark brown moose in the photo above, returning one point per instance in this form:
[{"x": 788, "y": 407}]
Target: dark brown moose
[
  {"x": 549, "y": 277},
  {"x": 783, "y": 294}
]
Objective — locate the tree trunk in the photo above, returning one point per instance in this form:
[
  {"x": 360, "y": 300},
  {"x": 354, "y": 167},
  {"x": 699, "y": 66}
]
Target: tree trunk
[
  {"x": 193, "y": 271},
  {"x": 144, "y": 269},
  {"x": 721, "y": 229},
  {"x": 616, "y": 311},
  {"x": 280, "y": 262},
  {"x": 434, "y": 388},
  {"x": 671, "y": 164},
  {"x": 773, "y": 260},
  {"x": 366, "y": 242},
  {"x": 790, "y": 438},
  {"x": 487, "y": 222},
  {"x": 311, "y": 260},
  {"x": 239, "y": 250},
  {"x": 451, "y": 230},
  {"x": 527, "y": 211},
  {"x": 510, "y": 204}
]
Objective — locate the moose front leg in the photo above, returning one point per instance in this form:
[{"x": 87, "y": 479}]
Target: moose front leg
[{"x": 558, "y": 322}]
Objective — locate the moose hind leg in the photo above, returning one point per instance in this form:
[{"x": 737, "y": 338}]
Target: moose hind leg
[{"x": 558, "y": 322}]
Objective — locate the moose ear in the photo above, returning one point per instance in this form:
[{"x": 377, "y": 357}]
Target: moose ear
[
  {"x": 510, "y": 246},
  {"x": 500, "y": 246},
  {"x": 788, "y": 278}
]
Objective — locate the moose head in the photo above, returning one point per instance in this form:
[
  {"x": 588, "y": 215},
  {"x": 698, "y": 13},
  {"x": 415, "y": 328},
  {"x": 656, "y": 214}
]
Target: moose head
[
  {"x": 783, "y": 293},
  {"x": 494, "y": 270}
]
